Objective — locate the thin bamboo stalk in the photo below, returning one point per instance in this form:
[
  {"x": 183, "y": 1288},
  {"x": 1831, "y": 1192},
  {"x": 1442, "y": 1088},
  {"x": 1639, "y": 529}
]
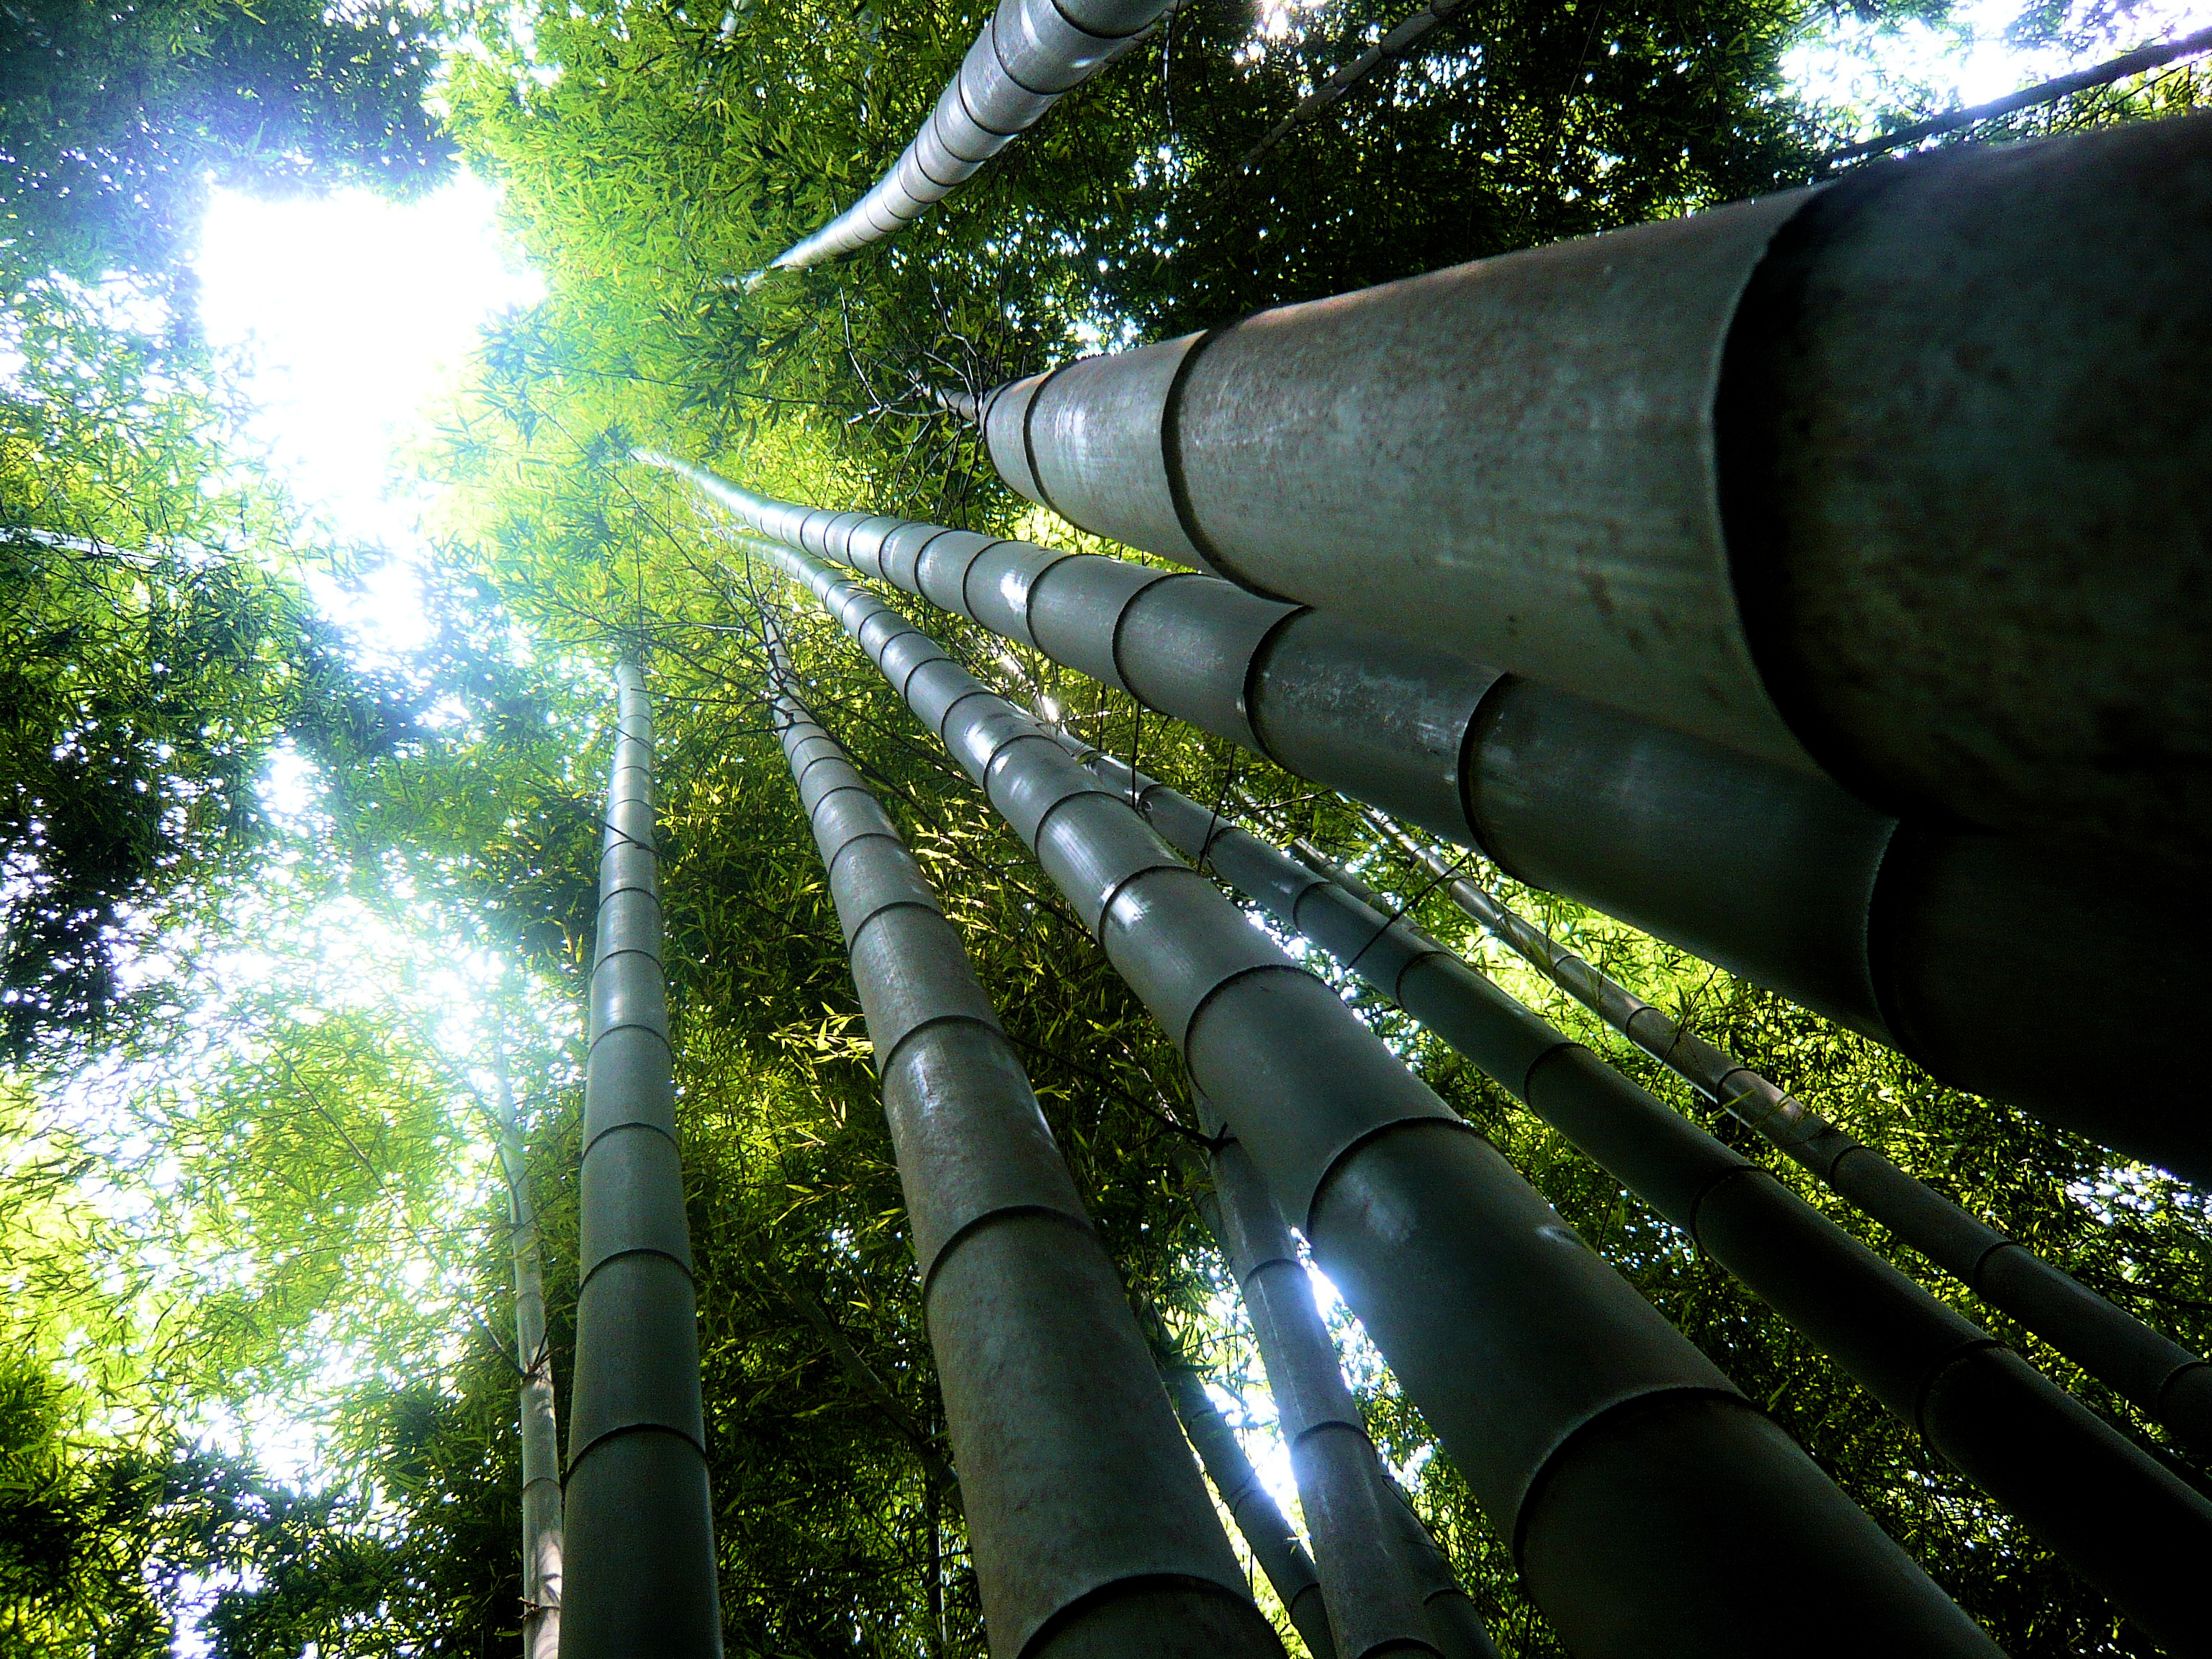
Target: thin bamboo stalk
[
  {"x": 1030, "y": 55},
  {"x": 2155, "y": 1374},
  {"x": 639, "y": 1575},
  {"x": 1090, "y": 1528},
  {"x": 1269, "y": 1532},
  {"x": 2103, "y": 1504},
  {"x": 541, "y": 1434},
  {"x": 1778, "y": 876},
  {"x": 1690, "y": 470},
  {"x": 1651, "y": 1510},
  {"x": 1389, "y": 1590}
]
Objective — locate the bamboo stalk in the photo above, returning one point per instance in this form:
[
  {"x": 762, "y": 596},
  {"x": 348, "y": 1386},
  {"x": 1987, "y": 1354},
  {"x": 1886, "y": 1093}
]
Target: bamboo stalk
[
  {"x": 1812, "y": 476},
  {"x": 640, "y": 1574},
  {"x": 541, "y": 1434},
  {"x": 1777, "y": 876},
  {"x": 1090, "y": 1528},
  {"x": 1029, "y": 56},
  {"x": 2162, "y": 1379},
  {"x": 1269, "y": 1532},
  {"x": 1650, "y": 1508},
  {"x": 1389, "y": 1588},
  {"x": 2102, "y": 1503}
]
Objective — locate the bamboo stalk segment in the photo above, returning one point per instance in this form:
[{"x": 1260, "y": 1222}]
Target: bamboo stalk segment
[
  {"x": 2152, "y": 1371},
  {"x": 1852, "y": 479},
  {"x": 1084, "y": 1511},
  {"x": 639, "y": 1567}
]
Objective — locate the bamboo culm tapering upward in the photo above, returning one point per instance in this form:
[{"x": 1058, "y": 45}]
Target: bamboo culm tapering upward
[
  {"x": 1650, "y": 1508},
  {"x": 1389, "y": 1589},
  {"x": 1030, "y": 55},
  {"x": 1857, "y": 479},
  {"x": 1267, "y": 1531},
  {"x": 1089, "y": 1528},
  {"x": 1773, "y": 874},
  {"x": 2103, "y": 1504},
  {"x": 640, "y": 1574},
  {"x": 2152, "y": 1372},
  {"x": 541, "y": 1433}
]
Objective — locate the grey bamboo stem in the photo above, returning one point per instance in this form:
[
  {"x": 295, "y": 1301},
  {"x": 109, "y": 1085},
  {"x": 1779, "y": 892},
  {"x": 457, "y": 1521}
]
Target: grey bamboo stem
[
  {"x": 541, "y": 1434},
  {"x": 2102, "y": 1503},
  {"x": 1650, "y": 1508},
  {"x": 1812, "y": 476},
  {"x": 1389, "y": 1588},
  {"x": 1090, "y": 1529},
  {"x": 1777, "y": 876},
  {"x": 640, "y": 1569},
  {"x": 1030, "y": 54},
  {"x": 1269, "y": 1532},
  {"x": 2157, "y": 1376}
]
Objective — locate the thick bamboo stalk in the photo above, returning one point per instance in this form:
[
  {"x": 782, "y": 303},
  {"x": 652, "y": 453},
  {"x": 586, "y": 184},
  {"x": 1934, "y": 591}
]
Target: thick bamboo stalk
[
  {"x": 640, "y": 1576},
  {"x": 1856, "y": 477},
  {"x": 2103, "y": 1504},
  {"x": 1030, "y": 54},
  {"x": 541, "y": 1434},
  {"x": 2150, "y": 1371},
  {"x": 1389, "y": 1590},
  {"x": 1779, "y": 876},
  {"x": 1651, "y": 1510},
  {"x": 1267, "y": 1531},
  {"x": 1086, "y": 1517}
]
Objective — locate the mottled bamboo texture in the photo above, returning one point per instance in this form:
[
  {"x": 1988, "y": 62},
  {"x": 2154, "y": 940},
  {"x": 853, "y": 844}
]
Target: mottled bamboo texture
[
  {"x": 640, "y": 1574},
  {"x": 2152, "y": 1372},
  {"x": 1777, "y": 876},
  {"x": 1857, "y": 479},
  {"x": 541, "y": 1434},
  {"x": 1389, "y": 1589},
  {"x": 1029, "y": 55},
  {"x": 1650, "y": 1508},
  {"x": 1090, "y": 1528},
  {"x": 1268, "y": 1532},
  {"x": 2101, "y": 1501}
]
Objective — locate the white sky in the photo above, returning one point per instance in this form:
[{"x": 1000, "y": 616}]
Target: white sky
[{"x": 353, "y": 312}]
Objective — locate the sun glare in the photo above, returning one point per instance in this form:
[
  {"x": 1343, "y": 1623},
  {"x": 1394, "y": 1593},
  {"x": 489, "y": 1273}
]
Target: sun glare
[{"x": 351, "y": 314}]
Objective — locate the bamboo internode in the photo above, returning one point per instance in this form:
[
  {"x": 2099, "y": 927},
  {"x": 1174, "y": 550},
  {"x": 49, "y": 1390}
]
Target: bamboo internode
[
  {"x": 2104, "y": 1505},
  {"x": 1030, "y": 55},
  {"x": 639, "y": 1577},
  {"x": 1267, "y": 1531},
  {"x": 1650, "y": 1508},
  {"x": 1389, "y": 1590},
  {"x": 1087, "y": 1519},
  {"x": 541, "y": 1536},
  {"x": 1774, "y": 874},
  {"x": 1900, "y": 477}
]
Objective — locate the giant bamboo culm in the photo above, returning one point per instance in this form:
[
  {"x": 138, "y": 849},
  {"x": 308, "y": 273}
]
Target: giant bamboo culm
[
  {"x": 1029, "y": 55},
  {"x": 1776, "y": 875},
  {"x": 1389, "y": 1589},
  {"x": 639, "y": 1569},
  {"x": 1650, "y": 1508},
  {"x": 1267, "y": 1531},
  {"x": 1900, "y": 477},
  {"x": 2102, "y": 1503},
  {"x": 2152, "y": 1372},
  {"x": 541, "y": 1434},
  {"x": 1090, "y": 1528}
]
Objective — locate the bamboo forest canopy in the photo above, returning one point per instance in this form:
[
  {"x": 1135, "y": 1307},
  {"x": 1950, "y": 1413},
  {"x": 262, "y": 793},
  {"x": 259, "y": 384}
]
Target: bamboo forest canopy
[{"x": 299, "y": 927}]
